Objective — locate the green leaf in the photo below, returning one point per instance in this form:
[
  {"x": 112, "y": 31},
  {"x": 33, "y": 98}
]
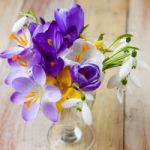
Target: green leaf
[
  {"x": 101, "y": 36},
  {"x": 29, "y": 13}
]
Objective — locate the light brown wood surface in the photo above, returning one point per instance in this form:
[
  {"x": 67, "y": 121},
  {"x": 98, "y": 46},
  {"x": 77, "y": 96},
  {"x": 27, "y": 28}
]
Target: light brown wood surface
[{"x": 117, "y": 126}]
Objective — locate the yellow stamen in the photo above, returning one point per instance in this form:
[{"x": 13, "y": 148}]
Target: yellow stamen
[
  {"x": 23, "y": 41},
  {"x": 81, "y": 54},
  {"x": 83, "y": 37},
  {"x": 31, "y": 94},
  {"x": 70, "y": 93},
  {"x": 99, "y": 45},
  {"x": 49, "y": 41}
]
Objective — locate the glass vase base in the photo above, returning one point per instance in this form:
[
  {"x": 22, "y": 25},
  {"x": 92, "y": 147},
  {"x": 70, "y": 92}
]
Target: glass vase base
[{"x": 70, "y": 138}]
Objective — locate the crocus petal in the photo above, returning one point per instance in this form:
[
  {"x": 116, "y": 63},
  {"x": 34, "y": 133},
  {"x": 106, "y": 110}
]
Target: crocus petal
[
  {"x": 91, "y": 54},
  {"x": 71, "y": 102},
  {"x": 19, "y": 24},
  {"x": 114, "y": 81},
  {"x": 29, "y": 113},
  {"x": 36, "y": 59},
  {"x": 39, "y": 75},
  {"x": 50, "y": 111},
  {"x": 86, "y": 114},
  {"x": 52, "y": 94},
  {"x": 23, "y": 84},
  {"x": 126, "y": 68},
  {"x": 17, "y": 98},
  {"x": 13, "y": 75},
  {"x": 12, "y": 51}
]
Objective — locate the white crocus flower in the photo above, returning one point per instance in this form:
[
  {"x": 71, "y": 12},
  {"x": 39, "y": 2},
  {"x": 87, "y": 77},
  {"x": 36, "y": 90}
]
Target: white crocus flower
[
  {"x": 83, "y": 52},
  {"x": 86, "y": 112},
  {"x": 19, "y": 24}
]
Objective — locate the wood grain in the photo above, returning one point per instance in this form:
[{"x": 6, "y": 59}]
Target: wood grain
[
  {"x": 107, "y": 16},
  {"x": 137, "y": 125}
]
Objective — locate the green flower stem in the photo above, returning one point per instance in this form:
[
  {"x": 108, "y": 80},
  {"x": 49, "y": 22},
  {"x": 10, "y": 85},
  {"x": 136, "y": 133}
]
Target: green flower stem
[{"x": 119, "y": 38}]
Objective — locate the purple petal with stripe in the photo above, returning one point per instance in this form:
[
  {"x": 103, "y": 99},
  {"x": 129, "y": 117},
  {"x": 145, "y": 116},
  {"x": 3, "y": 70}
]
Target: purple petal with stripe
[
  {"x": 39, "y": 75},
  {"x": 23, "y": 84},
  {"x": 50, "y": 111},
  {"x": 30, "y": 113},
  {"x": 17, "y": 98}
]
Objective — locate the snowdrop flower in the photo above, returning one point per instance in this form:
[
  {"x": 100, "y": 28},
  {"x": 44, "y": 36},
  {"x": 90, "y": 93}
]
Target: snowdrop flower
[{"x": 81, "y": 105}]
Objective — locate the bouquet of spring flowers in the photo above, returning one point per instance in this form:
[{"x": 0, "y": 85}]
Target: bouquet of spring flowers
[{"x": 55, "y": 66}]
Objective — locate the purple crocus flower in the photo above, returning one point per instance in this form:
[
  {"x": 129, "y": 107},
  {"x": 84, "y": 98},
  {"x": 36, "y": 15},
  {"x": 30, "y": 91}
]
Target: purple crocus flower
[
  {"x": 87, "y": 76},
  {"x": 32, "y": 92},
  {"x": 50, "y": 40},
  {"x": 70, "y": 21},
  {"x": 24, "y": 42},
  {"x": 49, "y": 43}
]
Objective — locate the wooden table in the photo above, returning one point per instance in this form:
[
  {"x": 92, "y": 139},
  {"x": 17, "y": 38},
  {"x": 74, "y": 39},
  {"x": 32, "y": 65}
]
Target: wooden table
[{"x": 117, "y": 126}]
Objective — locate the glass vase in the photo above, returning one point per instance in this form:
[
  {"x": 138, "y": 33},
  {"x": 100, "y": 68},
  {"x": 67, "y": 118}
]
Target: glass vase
[{"x": 71, "y": 133}]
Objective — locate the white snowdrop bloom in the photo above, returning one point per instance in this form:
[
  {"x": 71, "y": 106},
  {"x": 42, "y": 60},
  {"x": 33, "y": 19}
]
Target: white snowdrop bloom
[{"x": 86, "y": 112}]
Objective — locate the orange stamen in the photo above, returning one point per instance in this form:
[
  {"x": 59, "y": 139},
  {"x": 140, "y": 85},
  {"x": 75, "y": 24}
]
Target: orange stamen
[
  {"x": 27, "y": 104},
  {"x": 15, "y": 57},
  {"x": 52, "y": 64},
  {"x": 49, "y": 41},
  {"x": 80, "y": 55},
  {"x": 21, "y": 40}
]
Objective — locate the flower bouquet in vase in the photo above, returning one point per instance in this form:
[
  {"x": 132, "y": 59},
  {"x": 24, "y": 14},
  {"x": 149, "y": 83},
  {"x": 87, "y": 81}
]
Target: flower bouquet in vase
[{"x": 56, "y": 68}]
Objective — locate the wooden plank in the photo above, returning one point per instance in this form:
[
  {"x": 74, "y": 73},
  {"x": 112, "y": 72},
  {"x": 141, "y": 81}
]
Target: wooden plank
[
  {"x": 137, "y": 123},
  {"x": 15, "y": 133},
  {"x": 106, "y": 16}
]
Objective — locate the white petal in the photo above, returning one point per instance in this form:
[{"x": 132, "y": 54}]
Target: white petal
[
  {"x": 71, "y": 102},
  {"x": 120, "y": 93},
  {"x": 136, "y": 81},
  {"x": 114, "y": 81},
  {"x": 126, "y": 68},
  {"x": 86, "y": 114},
  {"x": 19, "y": 24},
  {"x": 143, "y": 65},
  {"x": 91, "y": 56},
  {"x": 89, "y": 96},
  {"x": 52, "y": 94}
]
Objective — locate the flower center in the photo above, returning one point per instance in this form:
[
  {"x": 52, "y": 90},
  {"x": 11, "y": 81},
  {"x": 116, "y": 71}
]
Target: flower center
[
  {"x": 52, "y": 63},
  {"x": 22, "y": 40},
  {"x": 20, "y": 61},
  {"x": 49, "y": 41},
  {"x": 81, "y": 54}
]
